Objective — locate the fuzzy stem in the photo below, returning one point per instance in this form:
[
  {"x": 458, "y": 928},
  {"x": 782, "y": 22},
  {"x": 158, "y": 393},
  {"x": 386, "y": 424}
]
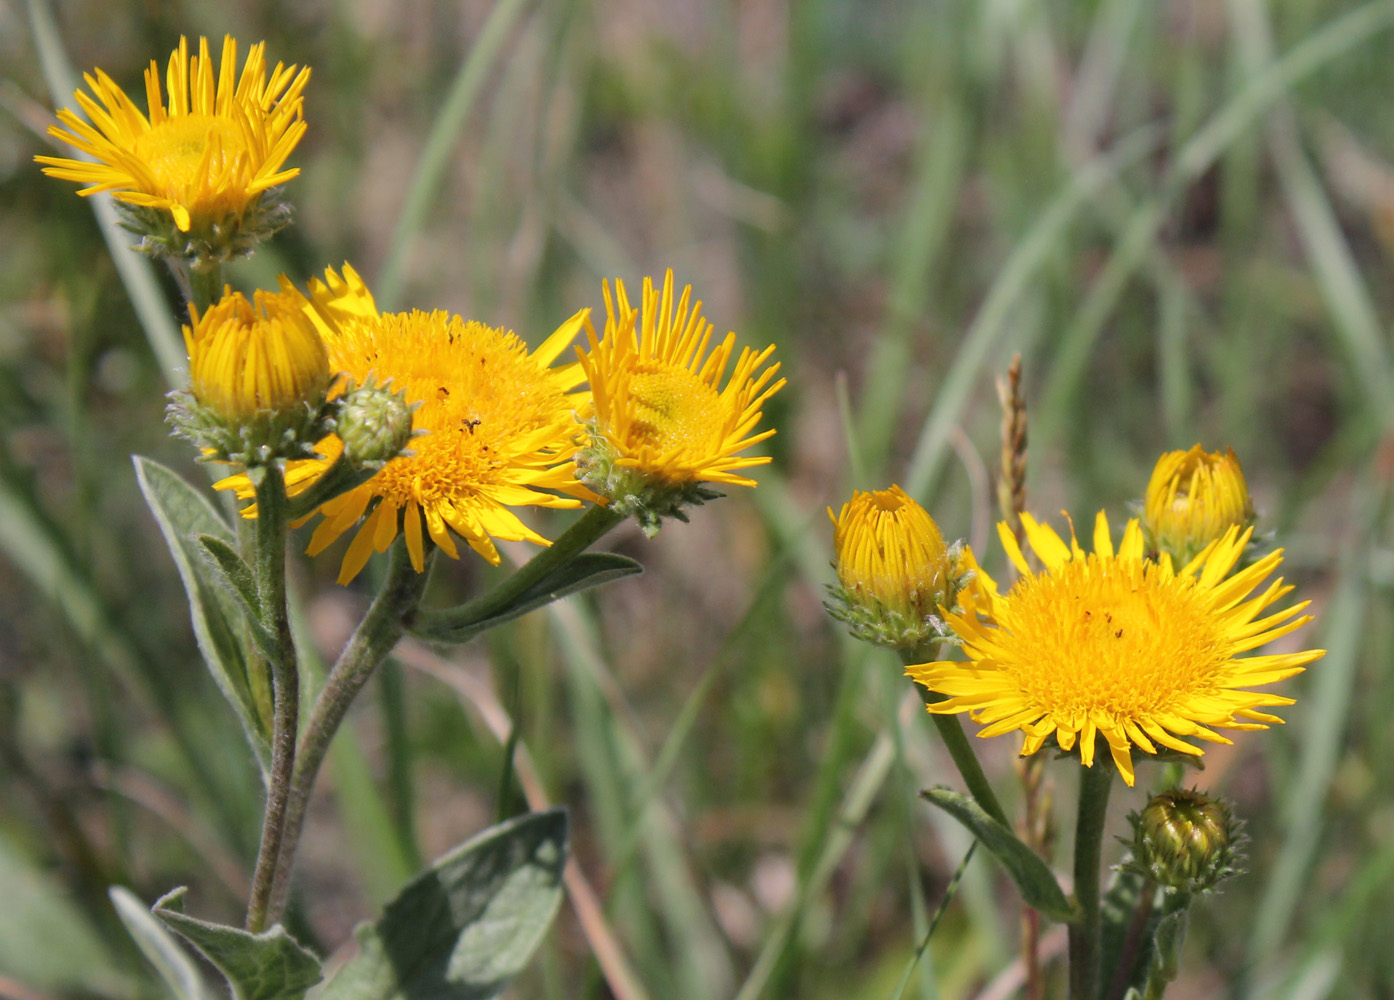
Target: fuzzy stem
[
  {"x": 576, "y": 539},
  {"x": 1094, "y": 786},
  {"x": 965, "y": 757},
  {"x": 270, "y": 573},
  {"x": 204, "y": 285},
  {"x": 391, "y": 611}
]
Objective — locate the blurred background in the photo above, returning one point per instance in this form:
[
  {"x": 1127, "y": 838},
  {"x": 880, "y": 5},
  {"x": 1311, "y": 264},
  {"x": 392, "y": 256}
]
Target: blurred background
[{"x": 1179, "y": 212}]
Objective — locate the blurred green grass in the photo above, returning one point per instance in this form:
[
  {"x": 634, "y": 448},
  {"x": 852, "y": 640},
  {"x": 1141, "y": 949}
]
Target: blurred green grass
[{"x": 1181, "y": 213}]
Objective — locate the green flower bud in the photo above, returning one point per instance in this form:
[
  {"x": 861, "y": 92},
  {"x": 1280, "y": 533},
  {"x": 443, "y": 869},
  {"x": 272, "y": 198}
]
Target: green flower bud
[
  {"x": 374, "y": 424},
  {"x": 1186, "y": 840}
]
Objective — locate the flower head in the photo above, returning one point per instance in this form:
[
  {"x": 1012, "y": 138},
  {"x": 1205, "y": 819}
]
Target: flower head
[
  {"x": 258, "y": 377},
  {"x": 1112, "y": 644},
  {"x": 1193, "y": 498},
  {"x": 1186, "y": 840},
  {"x": 205, "y": 163},
  {"x": 893, "y": 569},
  {"x": 499, "y": 423},
  {"x": 661, "y": 424}
]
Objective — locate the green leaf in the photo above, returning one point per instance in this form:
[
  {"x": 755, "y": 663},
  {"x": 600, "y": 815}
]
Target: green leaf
[
  {"x": 230, "y": 569},
  {"x": 1031, "y": 875},
  {"x": 265, "y": 966},
  {"x": 1119, "y": 905},
  {"x": 589, "y": 569},
  {"x": 159, "y": 946},
  {"x": 46, "y": 940},
  {"x": 465, "y": 927},
  {"x": 184, "y": 514}
]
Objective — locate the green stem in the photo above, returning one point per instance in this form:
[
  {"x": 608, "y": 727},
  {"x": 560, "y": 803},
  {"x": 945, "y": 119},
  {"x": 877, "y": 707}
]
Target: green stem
[
  {"x": 964, "y": 756},
  {"x": 205, "y": 285},
  {"x": 575, "y": 540},
  {"x": 1094, "y": 786},
  {"x": 391, "y": 612},
  {"x": 270, "y": 570}
]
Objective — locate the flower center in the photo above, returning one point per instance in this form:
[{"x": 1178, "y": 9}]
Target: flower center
[
  {"x": 1102, "y": 636},
  {"x": 481, "y": 398},
  {"x": 887, "y": 500},
  {"x": 174, "y": 150},
  {"x": 673, "y": 410}
]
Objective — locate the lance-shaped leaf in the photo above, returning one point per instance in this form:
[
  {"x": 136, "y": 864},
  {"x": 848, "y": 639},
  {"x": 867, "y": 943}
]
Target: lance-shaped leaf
[
  {"x": 158, "y": 945},
  {"x": 589, "y": 569},
  {"x": 184, "y": 514},
  {"x": 232, "y": 571},
  {"x": 266, "y": 966},
  {"x": 1032, "y": 876},
  {"x": 465, "y": 927}
]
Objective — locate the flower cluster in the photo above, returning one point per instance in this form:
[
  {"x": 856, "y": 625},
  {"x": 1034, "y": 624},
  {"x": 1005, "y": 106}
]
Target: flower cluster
[{"x": 493, "y": 425}]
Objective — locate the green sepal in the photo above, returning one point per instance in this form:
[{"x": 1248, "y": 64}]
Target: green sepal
[
  {"x": 581, "y": 572},
  {"x": 211, "y": 243},
  {"x": 266, "y": 966},
  {"x": 1032, "y": 876},
  {"x": 467, "y": 925},
  {"x": 159, "y": 946},
  {"x": 237, "y": 579},
  {"x": 184, "y": 514}
]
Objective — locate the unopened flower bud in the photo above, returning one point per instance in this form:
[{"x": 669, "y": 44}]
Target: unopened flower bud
[
  {"x": 1186, "y": 840},
  {"x": 258, "y": 379},
  {"x": 1193, "y": 498},
  {"x": 893, "y": 569},
  {"x": 374, "y": 424}
]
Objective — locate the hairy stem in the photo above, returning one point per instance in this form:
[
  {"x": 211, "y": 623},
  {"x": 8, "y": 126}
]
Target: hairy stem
[
  {"x": 386, "y": 620},
  {"x": 1094, "y": 786},
  {"x": 576, "y": 539},
  {"x": 965, "y": 757},
  {"x": 269, "y": 558}
]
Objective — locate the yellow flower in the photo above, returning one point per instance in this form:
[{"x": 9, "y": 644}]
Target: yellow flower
[
  {"x": 1115, "y": 645},
  {"x": 1193, "y": 498},
  {"x": 207, "y": 158},
  {"x": 499, "y": 422},
  {"x": 249, "y": 357},
  {"x": 258, "y": 379},
  {"x": 893, "y": 568},
  {"x": 661, "y": 424}
]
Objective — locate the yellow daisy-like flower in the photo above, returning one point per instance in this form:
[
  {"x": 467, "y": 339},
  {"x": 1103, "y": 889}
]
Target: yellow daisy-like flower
[
  {"x": 499, "y": 421},
  {"x": 205, "y": 159},
  {"x": 1113, "y": 644},
  {"x": 661, "y": 423},
  {"x": 1193, "y": 498}
]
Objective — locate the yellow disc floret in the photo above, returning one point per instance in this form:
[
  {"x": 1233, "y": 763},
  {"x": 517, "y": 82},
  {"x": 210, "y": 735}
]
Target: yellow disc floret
[{"x": 1115, "y": 645}]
